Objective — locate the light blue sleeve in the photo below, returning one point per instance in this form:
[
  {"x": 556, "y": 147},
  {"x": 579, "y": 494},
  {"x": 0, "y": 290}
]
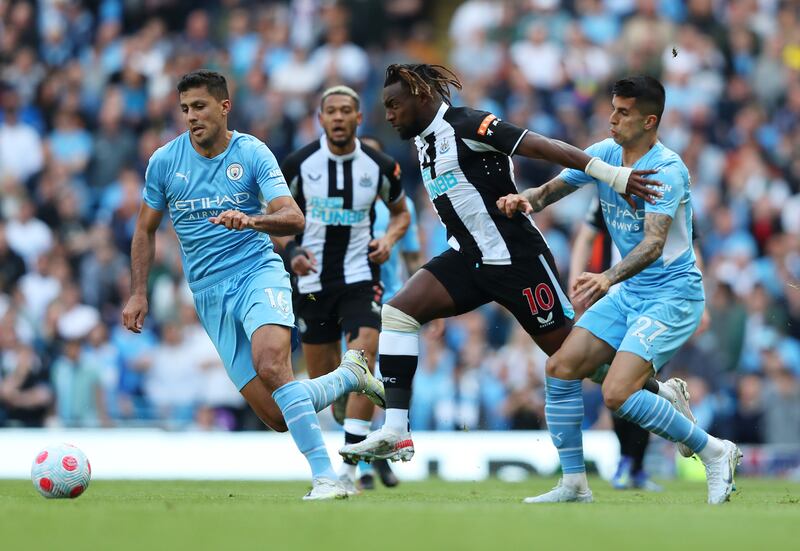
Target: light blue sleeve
[
  {"x": 153, "y": 192},
  {"x": 268, "y": 174},
  {"x": 673, "y": 186},
  {"x": 410, "y": 241},
  {"x": 578, "y": 178}
]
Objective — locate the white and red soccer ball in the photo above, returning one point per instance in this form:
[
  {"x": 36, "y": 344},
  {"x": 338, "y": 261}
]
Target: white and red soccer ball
[{"x": 61, "y": 471}]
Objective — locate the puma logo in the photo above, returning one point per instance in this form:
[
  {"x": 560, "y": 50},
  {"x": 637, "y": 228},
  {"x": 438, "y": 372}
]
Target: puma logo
[{"x": 184, "y": 176}]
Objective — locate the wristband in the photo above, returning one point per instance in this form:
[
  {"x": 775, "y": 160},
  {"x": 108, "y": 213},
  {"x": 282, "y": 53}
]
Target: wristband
[{"x": 615, "y": 176}]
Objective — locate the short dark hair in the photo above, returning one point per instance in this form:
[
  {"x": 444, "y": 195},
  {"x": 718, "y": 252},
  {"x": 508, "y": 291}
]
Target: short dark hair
[
  {"x": 214, "y": 82},
  {"x": 648, "y": 91},
  {"x": 340, "y": 90}
]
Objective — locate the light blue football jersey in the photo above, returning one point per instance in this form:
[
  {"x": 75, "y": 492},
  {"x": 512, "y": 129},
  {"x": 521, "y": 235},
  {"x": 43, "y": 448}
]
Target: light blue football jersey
[
  {"x": 675, "y": 273},
  {"x": 195, "y": 188},
  {"x": 392, "y": 269}
]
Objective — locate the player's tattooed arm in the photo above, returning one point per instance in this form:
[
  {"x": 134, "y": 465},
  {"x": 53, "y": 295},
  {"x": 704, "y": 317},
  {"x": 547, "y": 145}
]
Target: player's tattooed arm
[
  {"x": 656, "y": 227},
  {"x": 534, "y": 199},
  {"x": 549, "y": 193}
]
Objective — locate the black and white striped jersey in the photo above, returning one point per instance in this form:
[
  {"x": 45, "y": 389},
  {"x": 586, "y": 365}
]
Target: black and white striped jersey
[
  {"x": 465, "y": 157},
  {"x": 337, "y": 194}
]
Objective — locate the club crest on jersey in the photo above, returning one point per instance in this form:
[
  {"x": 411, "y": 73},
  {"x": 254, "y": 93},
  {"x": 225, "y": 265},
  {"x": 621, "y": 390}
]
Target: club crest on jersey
[
  {"x": 365, "y": 181},
  {"x": 444, "y": 147},
  {"x": 234, "y": 171}
]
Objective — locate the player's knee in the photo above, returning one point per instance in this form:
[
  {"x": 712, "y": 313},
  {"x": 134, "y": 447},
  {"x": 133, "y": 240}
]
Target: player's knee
[
  {"x": 559, "y": 367},
  {"x": 276, "y": 424},
  {"x": 394, "y": 319},
  {"x": 615, "y": 394},
  {"x": 272, "y": 365}
]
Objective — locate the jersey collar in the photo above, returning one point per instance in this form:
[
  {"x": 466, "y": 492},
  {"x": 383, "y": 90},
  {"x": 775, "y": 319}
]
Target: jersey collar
[
  {"x": 324, "y": 145},
  {"x": 234, "y": 136},
  {"x": 656, "y": 147},
  {"x": 439, "y": 116}
]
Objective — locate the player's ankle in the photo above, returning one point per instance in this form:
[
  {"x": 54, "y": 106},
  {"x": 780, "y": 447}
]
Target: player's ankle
[
  {"x": 575, "y": 481},
  {"x": 396, "y": 420},
  {"x": 713, "y": 450}
]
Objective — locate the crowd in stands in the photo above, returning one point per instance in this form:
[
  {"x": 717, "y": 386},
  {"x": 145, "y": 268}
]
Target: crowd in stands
[{"x": 87, "y": 93}]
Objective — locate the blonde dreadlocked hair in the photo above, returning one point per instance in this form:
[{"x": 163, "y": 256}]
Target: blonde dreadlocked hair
[{"x": 423, "y": 80}]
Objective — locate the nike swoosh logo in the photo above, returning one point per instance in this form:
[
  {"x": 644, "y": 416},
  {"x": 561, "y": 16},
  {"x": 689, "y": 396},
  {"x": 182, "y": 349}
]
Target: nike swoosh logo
[{"x": 729, "y": 480}]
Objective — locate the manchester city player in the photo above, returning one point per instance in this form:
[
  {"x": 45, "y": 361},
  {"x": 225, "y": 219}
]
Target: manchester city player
[
  {"x": 639, "y": 326},
  {"x": 212, "y": 181}
]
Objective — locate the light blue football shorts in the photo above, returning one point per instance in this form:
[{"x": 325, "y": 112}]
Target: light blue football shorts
[
  {"x": 232, "y": 309},
  {"x": 653, "y": 329}
]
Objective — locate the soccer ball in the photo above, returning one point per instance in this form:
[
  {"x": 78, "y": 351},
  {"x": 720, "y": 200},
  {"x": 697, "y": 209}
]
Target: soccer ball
[{"x": 61, "y": 471}]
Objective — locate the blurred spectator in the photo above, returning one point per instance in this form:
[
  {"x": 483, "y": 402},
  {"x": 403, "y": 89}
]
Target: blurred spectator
[
  {"x": 114, "y": 146},
  {"x": 172, "y": 379},
  {"x": 70, "y": 144},
  {"x": 339, "y": 60},
  {"x": 781, "y": 402},
  {"x": 220, "y": 404},
  {"x": 76, "y": 377},
  {"x": 521, "y": 365},
  {"x": 28, "y": 236},
  {"x": 547, "y": 74},
  {"x": 433, "y": 384},
  {"x": 12, "y": 266},
  {"x": 21, "y": 154},
  {"x": 104, "y": 356},
  {"x": 25, "y": 392},
  {"x": 748, "y": 420},
  {"x": 41, "y": 285},
  {"x": 728, "y": 325}
]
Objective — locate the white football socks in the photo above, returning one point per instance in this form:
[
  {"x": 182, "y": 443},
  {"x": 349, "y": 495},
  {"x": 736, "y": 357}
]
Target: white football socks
[{"x": 396, "y": 420}]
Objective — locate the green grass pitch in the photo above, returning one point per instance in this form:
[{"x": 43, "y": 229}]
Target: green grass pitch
[{"x": 152, "y": 515}]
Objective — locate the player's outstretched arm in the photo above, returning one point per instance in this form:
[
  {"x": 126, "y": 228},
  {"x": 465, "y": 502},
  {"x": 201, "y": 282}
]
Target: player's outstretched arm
[
  {"x": 590, "y": 287},
  {"x": 624, "y": 180},
  {"x": 399, "y": 220},
  {"x": 143, "y": 249},
  {"x": 534, "y": 199},
  {"x": 284, "y": 217}
]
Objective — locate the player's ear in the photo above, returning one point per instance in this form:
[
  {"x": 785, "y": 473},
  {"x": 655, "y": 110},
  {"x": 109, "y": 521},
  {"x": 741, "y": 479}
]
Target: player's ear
[
  {"x": 359, "y": 118},
  {"x": 226, "y": 106},
  {"x": 650, "y": 122}
]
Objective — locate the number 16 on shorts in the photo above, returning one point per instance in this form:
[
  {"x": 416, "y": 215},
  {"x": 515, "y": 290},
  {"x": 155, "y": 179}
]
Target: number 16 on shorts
[{"x": 279, "y": 300}]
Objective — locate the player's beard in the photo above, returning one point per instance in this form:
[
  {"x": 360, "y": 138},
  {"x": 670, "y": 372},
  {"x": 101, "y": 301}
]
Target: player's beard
[
  {"x": 407, "y": 133},
  {"x": 342, "y": 142}
]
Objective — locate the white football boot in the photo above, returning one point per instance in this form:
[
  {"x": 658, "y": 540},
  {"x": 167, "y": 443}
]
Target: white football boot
[
  {"x": 348, "y": 484},
  {"x": 381, "y": 444},
  {"x": 680, "y": 400},
  {"x": 719, "y": 474},
  {"x": 562, "y": 494},
  {"x": 325, "y": 488},
  {"x": 355, "y": 361}
]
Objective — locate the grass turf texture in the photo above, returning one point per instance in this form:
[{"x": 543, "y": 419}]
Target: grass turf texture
[{"x": 152, "y": 515}]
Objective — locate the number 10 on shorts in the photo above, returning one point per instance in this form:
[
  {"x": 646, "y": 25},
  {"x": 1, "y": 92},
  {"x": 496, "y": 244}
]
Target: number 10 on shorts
[{"x": 539, "y": 299}]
